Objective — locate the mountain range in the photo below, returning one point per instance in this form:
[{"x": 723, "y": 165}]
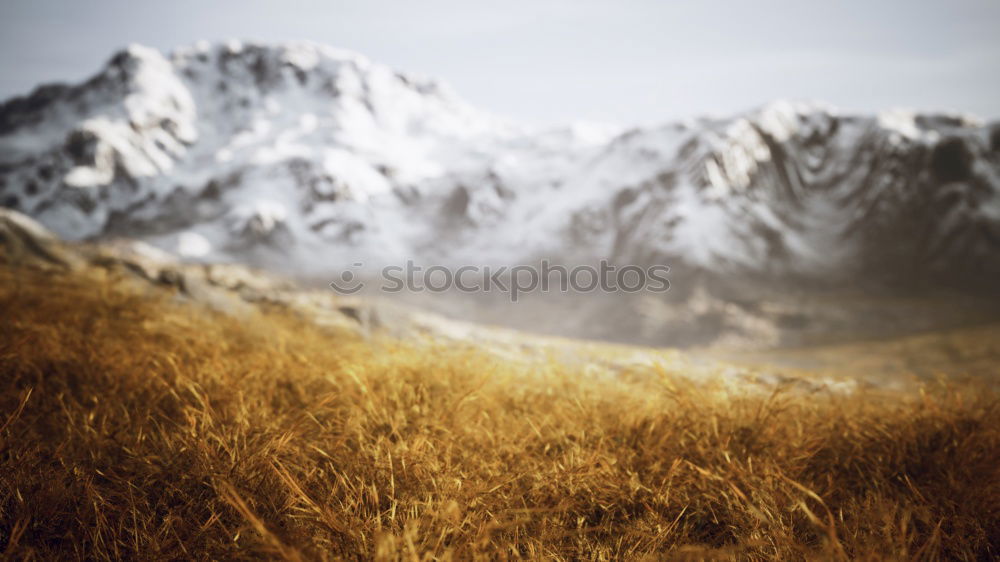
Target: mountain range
[{"x": 307, "y": 159}]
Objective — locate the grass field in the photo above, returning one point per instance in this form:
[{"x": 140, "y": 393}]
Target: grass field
[{"x": 136, "y": 426}]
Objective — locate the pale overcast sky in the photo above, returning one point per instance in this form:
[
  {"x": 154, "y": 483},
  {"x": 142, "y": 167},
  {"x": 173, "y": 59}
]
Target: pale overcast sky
[{"x": 555, "y": 61}]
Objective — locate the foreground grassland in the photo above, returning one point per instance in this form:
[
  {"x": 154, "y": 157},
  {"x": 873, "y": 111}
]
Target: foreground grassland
[{"x": 134, "y": 426}]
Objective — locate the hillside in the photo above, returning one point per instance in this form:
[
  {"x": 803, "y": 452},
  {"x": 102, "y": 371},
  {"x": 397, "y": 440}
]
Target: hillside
[
  {"x": 154, "y": 409},
  {"x": 137, "y": 424}
]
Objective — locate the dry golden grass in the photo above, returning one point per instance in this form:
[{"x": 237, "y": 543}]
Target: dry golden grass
[{"x": 137, "y": 427}]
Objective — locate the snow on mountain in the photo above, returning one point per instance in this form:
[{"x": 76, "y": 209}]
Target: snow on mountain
[{"x": 309, "y": 158}]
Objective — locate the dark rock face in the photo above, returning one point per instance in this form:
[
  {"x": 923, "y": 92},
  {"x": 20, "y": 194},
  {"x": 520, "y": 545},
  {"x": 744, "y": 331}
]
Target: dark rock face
[
  {"x": 457, "y": 204},
  {"x": 81, "y": 146},
  {"x": 20, "y": 111},
  {"x": 951, "y": 160}
]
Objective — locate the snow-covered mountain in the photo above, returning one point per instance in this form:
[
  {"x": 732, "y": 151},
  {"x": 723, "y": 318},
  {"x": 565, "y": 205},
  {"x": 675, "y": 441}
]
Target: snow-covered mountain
[{"x": 302, "y": 157}]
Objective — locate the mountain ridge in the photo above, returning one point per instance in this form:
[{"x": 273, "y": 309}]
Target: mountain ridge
[{"x": 306, "y": 158}]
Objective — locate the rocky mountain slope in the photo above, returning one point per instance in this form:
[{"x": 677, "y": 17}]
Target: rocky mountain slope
[{"x": 308, "y": 159}]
